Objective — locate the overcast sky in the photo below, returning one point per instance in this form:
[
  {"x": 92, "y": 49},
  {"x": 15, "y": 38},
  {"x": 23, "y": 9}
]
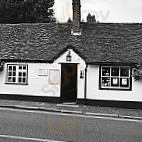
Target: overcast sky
[{"x": 105, "y": 10}]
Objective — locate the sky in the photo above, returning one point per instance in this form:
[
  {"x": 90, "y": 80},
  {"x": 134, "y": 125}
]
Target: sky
[{"x": 116, "y": 11}]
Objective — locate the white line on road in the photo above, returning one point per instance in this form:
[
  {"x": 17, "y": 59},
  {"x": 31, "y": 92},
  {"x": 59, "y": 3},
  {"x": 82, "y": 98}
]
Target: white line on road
[
  {"x": 25, "y": 138},
  {"x": 75, "y": 115}
]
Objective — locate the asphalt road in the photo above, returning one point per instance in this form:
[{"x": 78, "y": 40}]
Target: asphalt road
[{"x": 18, "y": 126}]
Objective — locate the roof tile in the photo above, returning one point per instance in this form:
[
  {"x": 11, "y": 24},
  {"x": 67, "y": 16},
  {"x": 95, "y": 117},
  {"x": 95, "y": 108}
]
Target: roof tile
[{"x": 101, "y": 42}]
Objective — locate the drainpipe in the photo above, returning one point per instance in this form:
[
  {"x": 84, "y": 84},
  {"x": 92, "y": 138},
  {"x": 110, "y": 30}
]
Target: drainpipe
[{"x": 85, "y": 88}]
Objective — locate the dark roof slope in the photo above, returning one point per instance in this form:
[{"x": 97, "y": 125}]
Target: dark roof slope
[{"x": 101, "y": 42}]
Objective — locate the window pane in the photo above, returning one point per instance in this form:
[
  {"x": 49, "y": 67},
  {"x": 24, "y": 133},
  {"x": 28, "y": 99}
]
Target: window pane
[
  {"x": 20, "y": 67},
  {"x": 10, "y": 68},
  {"x": 105, "y": 81},
  {"x": 9, "y": 79},
  {"x": 14, "y": 68},
  {"x": 124, "y": 82},
  {"x": 19, "y": 80},
  {"x": 24, "y": 80},
  {"x": 24, "y": 67},
  {"x": 124, "y": 71},
  {"x": 105, "y": 71},
  {"x": 10, "y": 74},
  {"x": 115, "y": 71},
  {"x": 20, "y": 73},
  {"x": 14, "y": 79},
  {"x": 114, "y": 81},
  {"x": 24, "y": 74},
  {"x": 14, "y": 73}
]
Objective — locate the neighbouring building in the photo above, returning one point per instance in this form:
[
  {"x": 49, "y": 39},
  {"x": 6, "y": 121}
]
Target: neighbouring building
[{"x": 89, "y": 63}]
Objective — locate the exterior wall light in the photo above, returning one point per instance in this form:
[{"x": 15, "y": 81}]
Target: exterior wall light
[
  {"x": 69, "y": 57},
  {"x": 81, "y": 74}
]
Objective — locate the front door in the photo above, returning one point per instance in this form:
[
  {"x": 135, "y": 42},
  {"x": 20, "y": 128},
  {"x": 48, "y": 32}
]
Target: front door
[{"x": 68, "y": 82}]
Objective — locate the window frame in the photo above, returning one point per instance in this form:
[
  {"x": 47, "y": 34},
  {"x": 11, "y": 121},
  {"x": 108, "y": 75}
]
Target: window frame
[
  {"x": 119, "y": 78},
  {"x": 17, "y": 76}
]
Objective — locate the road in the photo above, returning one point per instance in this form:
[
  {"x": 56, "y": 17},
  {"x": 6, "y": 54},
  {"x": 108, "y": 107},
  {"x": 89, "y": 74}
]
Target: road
[{"x": 26, "y": 126}]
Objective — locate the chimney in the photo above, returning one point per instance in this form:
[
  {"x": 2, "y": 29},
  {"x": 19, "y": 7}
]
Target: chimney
[{"x": 76, "y": 17}]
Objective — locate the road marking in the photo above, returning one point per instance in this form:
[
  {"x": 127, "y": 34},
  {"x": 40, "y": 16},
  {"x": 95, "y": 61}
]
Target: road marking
[
  {"x": 25, "y": 138},
  {"x": 75, "y": 115}
]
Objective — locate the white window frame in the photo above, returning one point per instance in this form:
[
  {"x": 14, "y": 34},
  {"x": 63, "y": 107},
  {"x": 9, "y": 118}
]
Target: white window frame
[
  {"x": 119, "y": 87},
  {"x": 22, "y": 71}
]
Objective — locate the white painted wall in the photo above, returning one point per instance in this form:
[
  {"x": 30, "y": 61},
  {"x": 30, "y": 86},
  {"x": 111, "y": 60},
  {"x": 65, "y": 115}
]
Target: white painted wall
[
  {"x": 93, "y": 91},
  {"x": 39, "y": 85}
]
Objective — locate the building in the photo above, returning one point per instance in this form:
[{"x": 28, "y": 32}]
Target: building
[{"x": 81, "y": 62}]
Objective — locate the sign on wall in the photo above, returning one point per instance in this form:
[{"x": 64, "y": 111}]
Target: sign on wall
[
  {"x": 43, "y": 72},
  {"x": 54, "y": 76}
]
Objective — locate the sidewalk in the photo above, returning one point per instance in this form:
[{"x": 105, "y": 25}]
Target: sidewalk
[{"x": 74, "y": 109}]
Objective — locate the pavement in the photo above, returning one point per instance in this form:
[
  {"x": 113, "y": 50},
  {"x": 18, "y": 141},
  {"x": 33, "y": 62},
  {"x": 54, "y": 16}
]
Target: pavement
[{"x": 74, "y": 109}]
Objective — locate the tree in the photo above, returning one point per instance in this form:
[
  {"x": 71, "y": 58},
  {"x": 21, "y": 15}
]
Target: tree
[
  {"x": 137, "y": 71},
  {"x": 26, "y": 11},
  {"x": 69, "y": 20},
  {"x": 91, "y": 19}
]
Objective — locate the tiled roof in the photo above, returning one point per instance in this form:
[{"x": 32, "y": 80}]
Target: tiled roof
[{"x": 101, "y": 42}]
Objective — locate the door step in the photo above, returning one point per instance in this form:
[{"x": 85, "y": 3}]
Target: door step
[{"x": 68, "y": 105}]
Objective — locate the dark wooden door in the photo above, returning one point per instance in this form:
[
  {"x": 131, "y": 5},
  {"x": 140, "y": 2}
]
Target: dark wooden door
[{"x": 68, "y": 82}]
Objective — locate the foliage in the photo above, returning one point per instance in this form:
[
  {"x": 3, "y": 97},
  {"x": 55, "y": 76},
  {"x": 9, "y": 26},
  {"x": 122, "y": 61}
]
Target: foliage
[
  {"x": 69, "y": 20},
  {"x": 137, "y": 72},
  {"x": 26, "y": 11},
  {"x": 1, "y": 65},
  {"x": 91, "y": 18}
]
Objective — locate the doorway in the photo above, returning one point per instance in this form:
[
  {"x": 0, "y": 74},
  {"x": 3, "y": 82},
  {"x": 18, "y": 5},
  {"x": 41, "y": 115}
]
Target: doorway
[{"x": 68, "y": 82}]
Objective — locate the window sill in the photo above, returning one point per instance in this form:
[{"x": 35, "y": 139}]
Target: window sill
[
  {"x": 117, "y": 89},
  {"x": 53, "y": 83},
  {"x": 16, "y": 83}
]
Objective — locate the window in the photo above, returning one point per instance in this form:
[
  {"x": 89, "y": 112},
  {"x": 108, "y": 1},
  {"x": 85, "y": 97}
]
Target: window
[
  {"x": 16, "y": 74},
  {"x": 54, "y": 76},
  {"x": 115, "y": 77}
]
